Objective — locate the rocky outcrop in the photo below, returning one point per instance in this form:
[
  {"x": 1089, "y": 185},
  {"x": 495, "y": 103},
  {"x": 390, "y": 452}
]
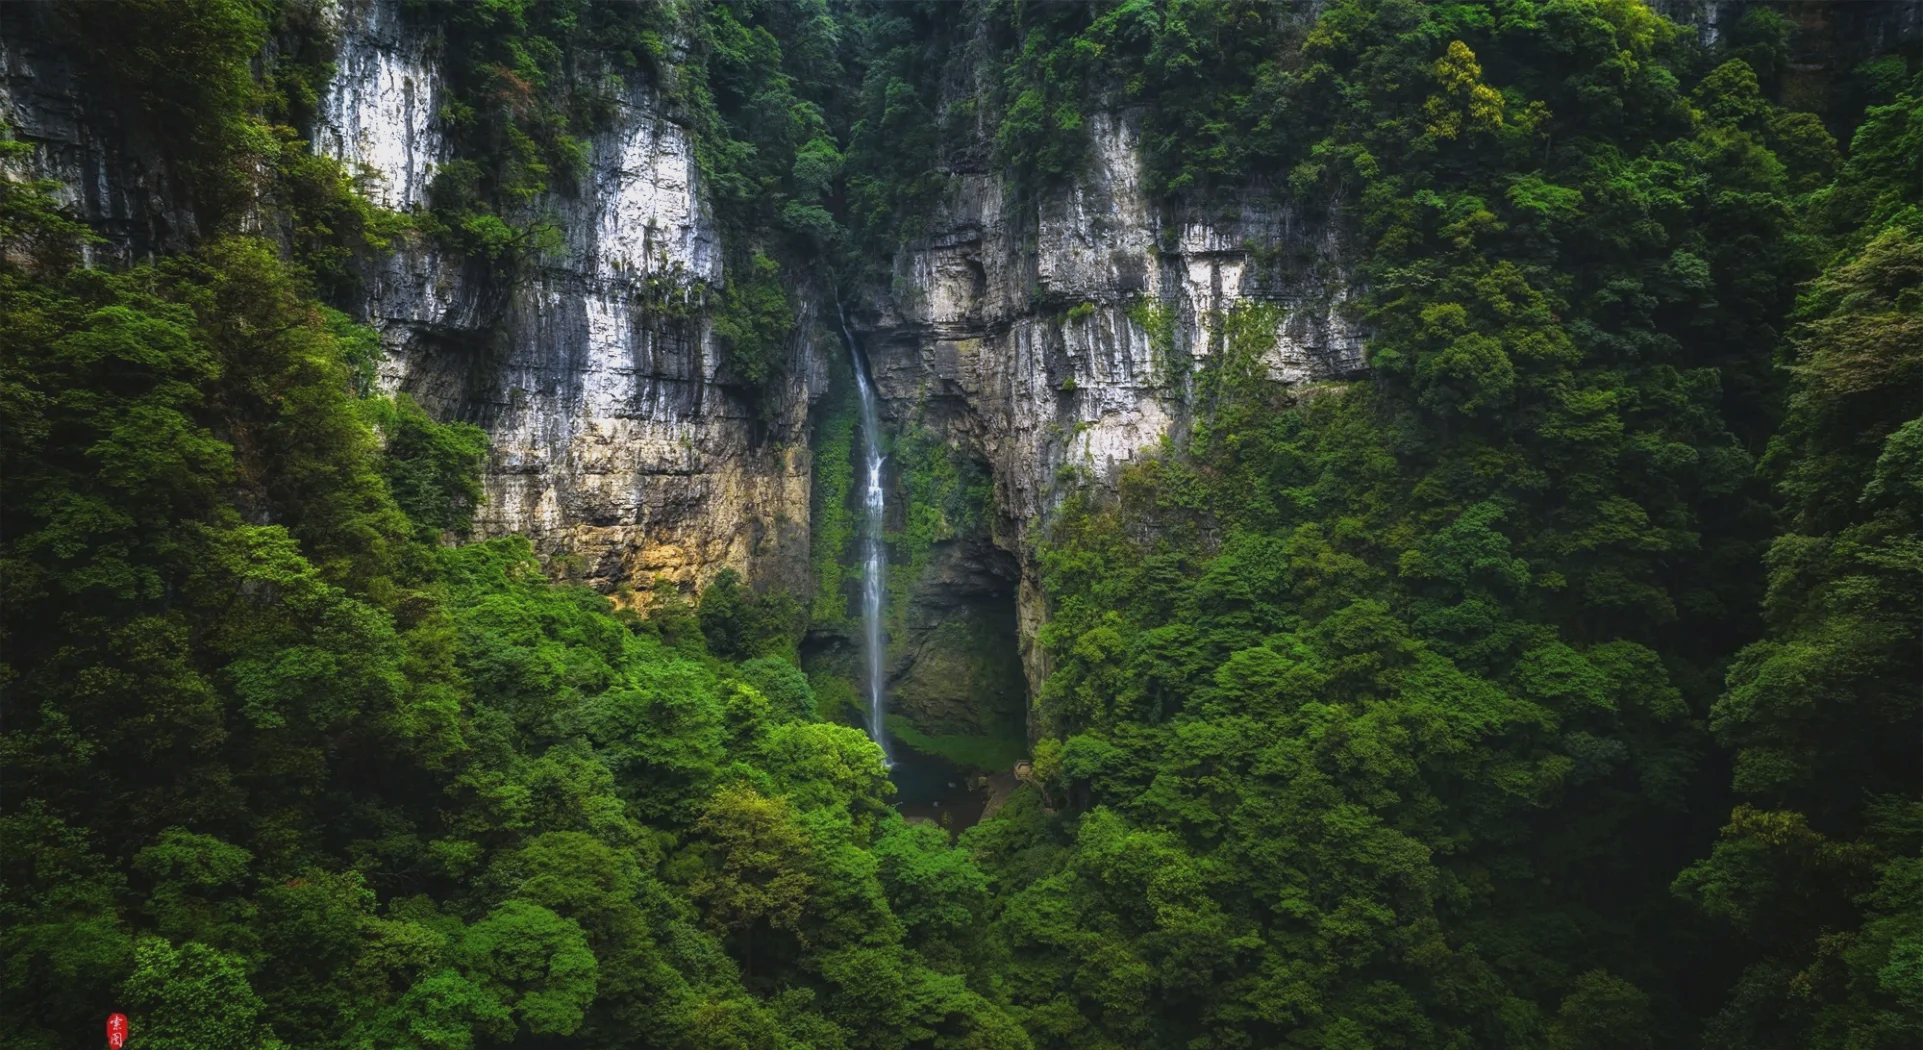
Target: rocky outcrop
[
  {"x": 1075, "y": 352},
  {"x": 379, "y": 116},
  {"x": 1051, "y": 343},
  {"x": 619, "y": 444},
  {"x": 1057, "y": 345},
  {"x": 105, "y": 162}
]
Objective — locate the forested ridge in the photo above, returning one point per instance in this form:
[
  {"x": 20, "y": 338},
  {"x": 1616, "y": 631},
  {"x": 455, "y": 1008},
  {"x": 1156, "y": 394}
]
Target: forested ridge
[{"x": 1558, "y": 684}]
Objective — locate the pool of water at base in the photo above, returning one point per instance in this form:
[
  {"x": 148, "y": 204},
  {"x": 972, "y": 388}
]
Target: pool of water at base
[{"x": 934, "y": 789}]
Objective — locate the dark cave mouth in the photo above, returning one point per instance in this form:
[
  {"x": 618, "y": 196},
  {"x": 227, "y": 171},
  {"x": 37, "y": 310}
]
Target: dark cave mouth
[{"x": 957, "y": 696}]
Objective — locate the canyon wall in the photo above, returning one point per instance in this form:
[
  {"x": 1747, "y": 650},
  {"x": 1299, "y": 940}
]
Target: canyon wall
[
  {"x": 620, "y": 444},
  {"x": 1050, "y": 344},
  {"x": 1043, "y": 342}
]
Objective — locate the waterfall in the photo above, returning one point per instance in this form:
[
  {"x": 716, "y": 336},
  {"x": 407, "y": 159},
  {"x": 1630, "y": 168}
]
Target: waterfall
[{"x": 874, "y": 553}]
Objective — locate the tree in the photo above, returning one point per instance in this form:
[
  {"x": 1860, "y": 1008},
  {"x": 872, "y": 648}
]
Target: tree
[
  {"x": 756, "y": 868},
  {"x": 192, "y": 998},
  {"x": 535, "y": 963}
]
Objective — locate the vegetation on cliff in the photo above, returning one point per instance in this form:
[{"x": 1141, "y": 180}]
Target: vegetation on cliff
[
  {"x": 1554, "y": 687},
  {"x": 282, "y": 769},
  {"x": 1394, "y": 716}
]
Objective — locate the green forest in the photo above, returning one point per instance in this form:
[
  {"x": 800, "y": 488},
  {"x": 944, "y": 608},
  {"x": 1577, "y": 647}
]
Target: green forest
[{"x": 1556, "y": 685}]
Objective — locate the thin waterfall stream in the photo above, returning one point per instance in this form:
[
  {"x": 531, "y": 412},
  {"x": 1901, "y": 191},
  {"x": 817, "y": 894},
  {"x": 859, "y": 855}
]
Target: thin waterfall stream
[{"x": 874, "y": 551}]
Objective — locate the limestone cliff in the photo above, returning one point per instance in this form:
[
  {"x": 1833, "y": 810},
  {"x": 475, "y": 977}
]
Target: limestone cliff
[
  {"x": 1043, "y": 341},
  {"x": 1055, "y": 341},
  {"x": 620, "y": 444}
]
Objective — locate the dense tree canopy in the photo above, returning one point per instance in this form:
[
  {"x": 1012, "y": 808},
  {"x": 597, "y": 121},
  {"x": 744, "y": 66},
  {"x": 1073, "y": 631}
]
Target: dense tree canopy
[{"x": 1555, "y": 686}]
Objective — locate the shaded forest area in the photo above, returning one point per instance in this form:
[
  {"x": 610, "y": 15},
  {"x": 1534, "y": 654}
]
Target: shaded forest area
[{"x": 1559, "y": 685}]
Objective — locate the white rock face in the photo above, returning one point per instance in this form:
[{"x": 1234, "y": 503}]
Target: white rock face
[
  {"x": 1047, "y": 349},
  {"x": 379, "y": 114},
  {"x": 619, "y": 443},
  {"x": 648, "y": 218},
  {"x": 1060, "y": 338}
]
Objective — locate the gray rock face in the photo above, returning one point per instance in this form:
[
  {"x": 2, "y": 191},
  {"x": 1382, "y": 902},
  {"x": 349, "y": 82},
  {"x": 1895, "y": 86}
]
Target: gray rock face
[
  {"x": 1053, "y": 343},
  {"x": 107, "y": 167},
  {"x": 619, "y": 444}
]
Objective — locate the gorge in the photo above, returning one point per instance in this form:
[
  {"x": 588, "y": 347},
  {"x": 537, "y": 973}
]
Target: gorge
[{"x": 1198, "y": 524}]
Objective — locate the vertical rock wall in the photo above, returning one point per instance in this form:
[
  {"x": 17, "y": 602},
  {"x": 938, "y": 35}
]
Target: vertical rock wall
[
  {"x": 1055, "y": 342},
  {"x": 105, "y": 162},
  {"x": 1050, "y": 341},
  {"x": 379, "y": 115}
]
